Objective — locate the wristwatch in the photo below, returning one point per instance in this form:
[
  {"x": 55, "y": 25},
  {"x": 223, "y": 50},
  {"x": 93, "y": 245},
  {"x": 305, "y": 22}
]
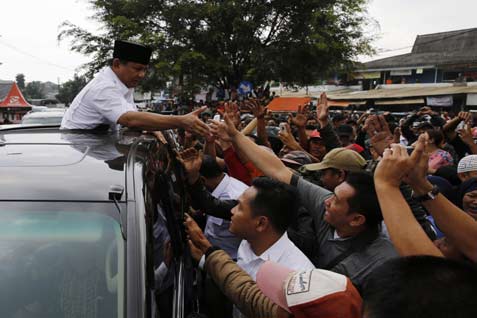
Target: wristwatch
[{"x": 431, "y": 195}]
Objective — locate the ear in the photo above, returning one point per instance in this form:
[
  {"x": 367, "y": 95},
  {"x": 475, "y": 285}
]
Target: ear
[
  {"x": 116, "y": 62},
  {"x": 342, "y": 175},
  {"x": 262, "y": 224},
  {"x": 357, "y": 219}
]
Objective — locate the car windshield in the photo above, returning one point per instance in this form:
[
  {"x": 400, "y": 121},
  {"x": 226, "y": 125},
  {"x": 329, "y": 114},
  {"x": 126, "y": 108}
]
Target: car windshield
[
  {"x": 42, "y": 120},
  {"x": 60, "y": 264}
]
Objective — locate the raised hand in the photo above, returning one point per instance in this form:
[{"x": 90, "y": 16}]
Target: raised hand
[
  {"x": 301, "y": 116},
  {"x": 225, "y": 130},
  {"x": 256, "y": 107},
  {"x": 191, "y": 159},
  {"x": 322, "y": 110},
  {"x": 232, "y": 110},
  {"x": 288, "y": 139},
  {"x": 378, "y": 130}
]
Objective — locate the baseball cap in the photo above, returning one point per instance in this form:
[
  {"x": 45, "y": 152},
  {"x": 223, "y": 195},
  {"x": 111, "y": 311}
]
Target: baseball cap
[
  {"x": 315, "y": 134},
  {"x": 467, "y": 164},
  {"x": 339, "y": 158},
  {"x": 311, "y": 293},
  {"x": 296, "y": 158}
]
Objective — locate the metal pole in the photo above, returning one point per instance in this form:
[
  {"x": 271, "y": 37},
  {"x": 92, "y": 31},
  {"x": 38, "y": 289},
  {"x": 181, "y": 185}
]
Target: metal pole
[{"x": 435, "y": 76}]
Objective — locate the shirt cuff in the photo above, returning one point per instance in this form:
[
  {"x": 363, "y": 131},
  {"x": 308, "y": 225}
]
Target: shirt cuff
[{"x": 202, "y": 262}]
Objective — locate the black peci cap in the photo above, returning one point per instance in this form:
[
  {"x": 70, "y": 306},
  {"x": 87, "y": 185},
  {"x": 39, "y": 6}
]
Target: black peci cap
[{"x": 132, "y": 52}]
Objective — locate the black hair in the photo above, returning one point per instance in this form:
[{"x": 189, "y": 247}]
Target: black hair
[
  {"x": 275, "y": 200},
  {"x": 365, "y": 201},
  {"x": 121, "y": 61},
  {"x": 421, "y": 286},
  {"x": 436, "y": 135},
  {"x": 210, "y": 168}
]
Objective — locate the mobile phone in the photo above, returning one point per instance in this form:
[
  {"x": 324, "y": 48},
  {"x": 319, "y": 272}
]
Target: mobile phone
[
  {"x": 461, "y": 125},
  {"x": 283, "y": 127},
  {"x": 217, "y": 117}
]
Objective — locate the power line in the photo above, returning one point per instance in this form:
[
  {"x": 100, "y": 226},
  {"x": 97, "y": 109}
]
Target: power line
[{"x": 44, "y": 61}]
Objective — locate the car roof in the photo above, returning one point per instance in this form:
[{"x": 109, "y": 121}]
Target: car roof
[
  {"x": 44, "y": 114},
  {"x": 45, "y": 163}
]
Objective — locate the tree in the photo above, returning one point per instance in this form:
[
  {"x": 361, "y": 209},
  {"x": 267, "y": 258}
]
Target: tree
[
  {"x": 222, "y": 42},
  {"x": 70, "y": 89},
  {"x": 34, "y": 90},
  {"x": 20, "y": 79}
]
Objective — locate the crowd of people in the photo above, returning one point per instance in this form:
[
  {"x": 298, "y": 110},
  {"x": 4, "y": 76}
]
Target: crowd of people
[{"x": 316, "y": 214}]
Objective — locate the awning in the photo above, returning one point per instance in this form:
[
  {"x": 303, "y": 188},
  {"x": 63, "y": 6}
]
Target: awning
[
  {"x": 366, "y": 75},
  {"x": 415, "y": 101},
  {"x": 405, "y": 91},
  {"x": 344, "y": 103},
  {"x": 287, "y": 104}
]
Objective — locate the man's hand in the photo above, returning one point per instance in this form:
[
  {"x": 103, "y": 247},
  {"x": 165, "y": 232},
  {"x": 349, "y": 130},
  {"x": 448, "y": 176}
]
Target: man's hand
[
  {"x": 301, "y": 117},
  {"x": 191, "y": 159},
  {"x": 288, "y": 139},
  {"x": 322, "y": 110},
  {"x": 393, "y": 167},
  {"x": 233, "y": 112},
  {"x": 465, "y": 117},
  {"x": 256, "y": 107},
  {"x": 195, "y": 252},
  {"x": 193, "y": 123},
  {"x": 378, "y": 131},
  {"x": 466, "y": 135},
  {"x": 195, "y": 234},
  {"x": 416, "y": 177},
  {"x": 224, "y": 130}
]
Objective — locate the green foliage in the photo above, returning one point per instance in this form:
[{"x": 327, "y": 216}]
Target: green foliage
[
  {"x": 70, "y": 89},
  {"x": 20, "y": 79},
  {"x": 222, "y": 42},
  {"x": 34, "y": 90}
]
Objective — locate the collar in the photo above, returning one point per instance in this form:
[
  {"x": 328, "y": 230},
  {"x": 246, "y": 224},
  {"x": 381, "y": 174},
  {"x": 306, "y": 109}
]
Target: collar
[
  {"x": 273, "y": 253},
  {"x": 222, "y": 186},
  {"x": 108, "y": 71}
]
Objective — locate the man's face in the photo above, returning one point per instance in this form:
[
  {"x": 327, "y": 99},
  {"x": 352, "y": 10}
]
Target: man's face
[
  {"x": 464, "y": 176},
  {"x": 469, "y": 203},
  {"x": 243, "y": 222},
  {"x": 330, "y": 179},
  {"x": 337, "y": 207},
  {"x": 130, "y": 73},
  {"x": 317, "y": 148}
]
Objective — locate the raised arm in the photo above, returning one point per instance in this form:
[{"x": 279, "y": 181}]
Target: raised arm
[
  {"x": 457, "y": 225},
  {"x": 405, "y": 232},
  {"x": 264, "y": 160}
]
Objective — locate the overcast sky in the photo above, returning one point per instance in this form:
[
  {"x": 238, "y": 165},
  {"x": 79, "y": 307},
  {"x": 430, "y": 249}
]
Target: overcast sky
[{"x": 29, "y": 29}]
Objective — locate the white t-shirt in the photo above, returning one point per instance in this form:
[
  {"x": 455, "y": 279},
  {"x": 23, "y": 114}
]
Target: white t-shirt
[{"x": 100, "y": 102}]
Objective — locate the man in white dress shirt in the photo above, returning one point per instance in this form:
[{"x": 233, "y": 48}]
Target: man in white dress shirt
[
  {"x": 261, "y": 218},
  {"x": 107, "y": 100},
  {"x": 222, "y": 187}
]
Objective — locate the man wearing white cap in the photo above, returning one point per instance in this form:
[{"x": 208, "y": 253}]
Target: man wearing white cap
[
  {"x": 108, "y": 100},
  {"x": 467, "y": 168}
]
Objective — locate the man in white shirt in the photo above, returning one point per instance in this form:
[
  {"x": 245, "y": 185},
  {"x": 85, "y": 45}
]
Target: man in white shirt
[
  {"x": 261, "y": 218},
  {"x": 107, "y": 100},
  {"x": 222, "y": 187}
]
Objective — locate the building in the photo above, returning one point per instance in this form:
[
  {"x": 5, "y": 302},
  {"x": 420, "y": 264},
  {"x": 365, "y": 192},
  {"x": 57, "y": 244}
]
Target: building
[
  {"x": 12, "y": 103},
  {"x": 435, "y": 58}
]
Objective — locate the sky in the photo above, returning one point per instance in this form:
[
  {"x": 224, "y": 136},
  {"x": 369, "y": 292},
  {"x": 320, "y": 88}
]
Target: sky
[{"x": 29, "y": 29}]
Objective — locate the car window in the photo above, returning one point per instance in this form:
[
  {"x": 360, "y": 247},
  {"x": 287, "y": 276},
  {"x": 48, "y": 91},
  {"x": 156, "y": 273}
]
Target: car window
[{"x": 60, "y": 264}]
